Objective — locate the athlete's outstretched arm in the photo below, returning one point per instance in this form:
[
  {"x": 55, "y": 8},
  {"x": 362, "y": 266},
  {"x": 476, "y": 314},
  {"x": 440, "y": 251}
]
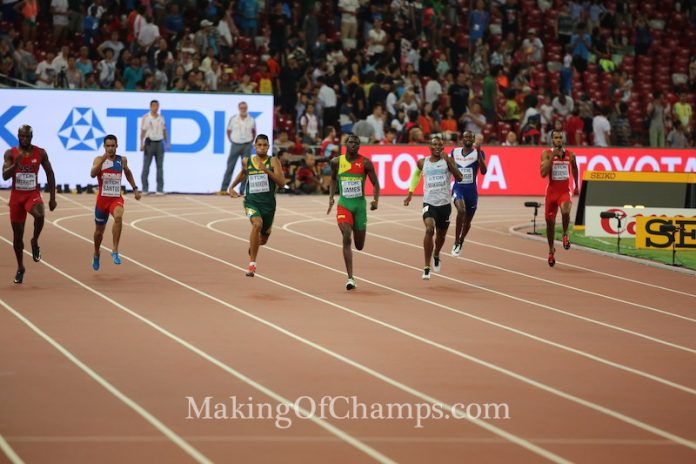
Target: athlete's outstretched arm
[
  {"x": 240, "y": 177},
  {"x": 332, "y": 184},
  {"x": 277, "y": 174},
  {"x": 415, "y": 180},
  {"x": 574, "y": 168},
  {"x": 453, "y": 169},
  {"x": 130, "y": 178},
  {"x": 50, "y": 178},
  {"x": 8, "y": 167},
  {"x": 545, "y": 163},
  {"x": 370, "y": 171}
]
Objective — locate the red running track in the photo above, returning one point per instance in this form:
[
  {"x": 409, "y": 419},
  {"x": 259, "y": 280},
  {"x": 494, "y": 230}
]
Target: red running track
[{"x": 591, "y": 361}]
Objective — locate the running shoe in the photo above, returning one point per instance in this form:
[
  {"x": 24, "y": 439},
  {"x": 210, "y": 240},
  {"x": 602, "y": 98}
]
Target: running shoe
[
  {"x": 456, "y": 249},
  {"x": 436, "y": 263},
  {"x": 19, "y": 277},
  {"x": 426, "y": 273},
  {"x": 117, "y": 258},
  {"x": 251, "y": 270},
  {"x": 552, "y": 258},
  {"x": 566, "y": 242},
  {"x": 350, "y": 285},
  {"x": 35, "y": 252},
  {"x": 95, "y": 263}
]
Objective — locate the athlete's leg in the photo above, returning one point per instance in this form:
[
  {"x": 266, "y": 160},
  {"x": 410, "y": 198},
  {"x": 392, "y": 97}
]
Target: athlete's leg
[
  {"x": 440, "y": 235},
  {"x": 267, "y": 226},
  {"x": 359, "y": 238},
  {"x": 255, "y": 237},
  {"x": 101, "y": 217},
  {"x": 117, "y": 227},
  {"x": 18, "y": 244},
  {"x": 565, "y": 215},
  {"x": 347, "y": 232},
  {"x": 461, "y": 216},
  {"x": 428, "y": 240},
  {"x": 566, "y": 205},
  {"x": 470, "y": 205},
  {"x": 98, "y": 237},
  {"x": 37, "y": 211},
  {"x": 550, "y": 212}
]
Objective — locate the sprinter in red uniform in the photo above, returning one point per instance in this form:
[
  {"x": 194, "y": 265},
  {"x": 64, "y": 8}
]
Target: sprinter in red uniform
[
  {"x": 22, "y": 165},
  {"x": 556, "y": 164},
  {"x": 109, "y": 169}
]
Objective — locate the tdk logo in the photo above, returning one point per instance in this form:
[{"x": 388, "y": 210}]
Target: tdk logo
[
  {"x": 206, "y": 130},
  {"x": 84, "y": 128},
  {"x": 81, "y": 130}
]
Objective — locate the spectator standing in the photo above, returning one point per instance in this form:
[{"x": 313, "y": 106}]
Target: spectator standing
[
  {"x": 601, "y": 128},
  {"x": 153, "y": 141},
  {"x": 657, "y": 114},
  {"x": 241, "y": 131}
]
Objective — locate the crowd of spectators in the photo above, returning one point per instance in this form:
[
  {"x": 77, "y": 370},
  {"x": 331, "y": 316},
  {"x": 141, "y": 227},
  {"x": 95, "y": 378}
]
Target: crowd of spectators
[{"x": 612, "y": 72}]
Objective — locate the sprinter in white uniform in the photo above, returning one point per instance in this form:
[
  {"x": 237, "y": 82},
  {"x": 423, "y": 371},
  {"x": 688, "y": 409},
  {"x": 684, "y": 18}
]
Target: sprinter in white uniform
[{"x": 437, "y": 170}]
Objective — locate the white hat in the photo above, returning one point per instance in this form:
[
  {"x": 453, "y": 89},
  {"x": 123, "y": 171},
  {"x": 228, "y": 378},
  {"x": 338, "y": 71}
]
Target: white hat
[{"x": 206, "y": 23}]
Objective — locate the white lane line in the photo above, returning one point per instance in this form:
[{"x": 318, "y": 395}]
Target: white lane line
[
  {"x": 9, "y": 452},
  {"x": 574, "y": 266},
  {"x": 156, "y": 423},
  {"x": 373, "y": 453},
  {"x": 529, "y": 381},
  {"x": 569, "y": 349},
  {"x": 248, "y": 380},
  {"x": 499, "y": 293},
  {"x": 540, "y": 279}
]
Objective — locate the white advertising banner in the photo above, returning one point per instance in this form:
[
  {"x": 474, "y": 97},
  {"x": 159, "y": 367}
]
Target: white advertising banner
[
  {"x": 598, "y": 227},
  {"x": 71, "y": 125}
]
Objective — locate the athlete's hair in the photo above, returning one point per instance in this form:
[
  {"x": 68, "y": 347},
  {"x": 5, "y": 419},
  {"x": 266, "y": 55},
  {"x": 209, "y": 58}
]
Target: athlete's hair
[
  {"x": 26, "y": 127},
  {"x": 153, "y": 101},
  {"x": 435, "y": 136},
  {"x": 560, "y": 131},
  {"x": 111, "y": 137},
  {"x": 261, "y": 137}
]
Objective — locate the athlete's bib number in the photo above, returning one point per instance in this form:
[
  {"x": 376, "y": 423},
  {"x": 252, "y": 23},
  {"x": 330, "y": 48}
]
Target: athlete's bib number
[
  {"x": 436, "y": 181},
  {"x": 352, "y": 188},
  {"x": 559, "y": 171},
  {"x": 111, "y": 187},
  {"x": 467, "y": 175},
  {"x": 258, "y": 183},
  {"x": 25, "y": 181}
]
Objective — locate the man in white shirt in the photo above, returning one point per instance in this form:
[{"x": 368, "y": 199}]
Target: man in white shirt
[
  {"x": 329, "y": 102},
  {"x": 601, "y": 128},
  {"x": 563, "y": 105},
  {"x": 376, "y": 119},
  {"x": 59, "y": 9},
  {"x": 241, "y": 131},
  {"x": 60, "y": 62},
  {"x": 114, "y": 44},
  {"x": 433, "y": 90},
  {"x": 148, "y": 33},
  {"x": 377, "y": 39},
  {"x": 45, "y": 73},
  {"x": 153, "y": 137},
  {"x": 107, "y": 69},
  {"x": 349, "y": 22}
]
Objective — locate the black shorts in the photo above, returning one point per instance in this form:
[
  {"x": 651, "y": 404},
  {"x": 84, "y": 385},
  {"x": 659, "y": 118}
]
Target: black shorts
[{"x": 441, "y": 214}]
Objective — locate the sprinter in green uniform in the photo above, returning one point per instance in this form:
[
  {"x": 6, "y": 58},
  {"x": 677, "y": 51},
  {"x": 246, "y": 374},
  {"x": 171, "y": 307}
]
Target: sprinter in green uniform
[
  {"x": 348, "y": 174},
  {"x": 262, "y": 174}
]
